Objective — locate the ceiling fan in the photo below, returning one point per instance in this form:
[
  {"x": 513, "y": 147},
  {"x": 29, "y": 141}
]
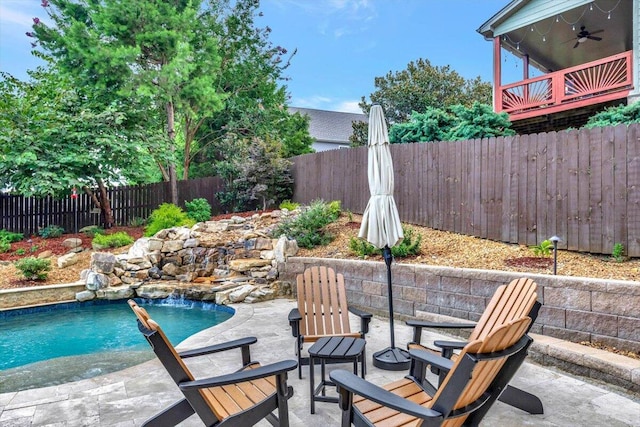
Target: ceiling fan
[{"x": 585, "y": 35}]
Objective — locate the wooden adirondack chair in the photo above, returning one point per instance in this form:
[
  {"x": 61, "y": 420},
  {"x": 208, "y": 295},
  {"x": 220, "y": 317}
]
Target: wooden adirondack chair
[
  {"x": 238, "y": 399},
  {"x": 470, "y": 382},
  {"x": 509, "y": 302},
  {"x": 322, "y": 310}
]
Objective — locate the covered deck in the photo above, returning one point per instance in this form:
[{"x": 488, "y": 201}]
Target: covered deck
[{"x": 578, "y": 57}]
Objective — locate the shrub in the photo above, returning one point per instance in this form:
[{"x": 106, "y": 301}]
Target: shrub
[
  {"x": 289, "y": 205},
  {"x": 618, "y": 252},
  {"x": 5, "y": 246},
  {"x": 409, "y": 246},
  {"x": 10, "y": 237},
  {"x": 308, "y": 227},
  {"x": 138, "y": 222},
  {"x": 114, "y": 240},
  {"x": 51, "y": 231},
  {"x": 21, "y": 251},
  {"x": 167, "y": 215},
  {"x": 93, "y": 230},
  {"x": 34, "y": 268},
  {"x": 199, "y": 210},
  {"x": 543, "y": 249}
]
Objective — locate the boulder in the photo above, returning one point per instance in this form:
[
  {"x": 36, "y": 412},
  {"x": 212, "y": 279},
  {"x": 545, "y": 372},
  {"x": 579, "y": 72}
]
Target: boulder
[
  {"x": 172, "y": 245},
  {"x": 45, "y": 254},
  {"x": 72, "y": 242},
  {"x": 68, "y": 259},
  {"x": 115, "y": 293},
  {"x": 155, "y": 290},
  {"x": 263, "y": 293},
  {"x": 155, "y": 273},
  {"x": 239, "y": 294},
  {"x": 103, "y": 262},
  {"x": 85, "y": 296},
  {"x": 96, "y": 281},
  {"x": 247, "y": 264}
]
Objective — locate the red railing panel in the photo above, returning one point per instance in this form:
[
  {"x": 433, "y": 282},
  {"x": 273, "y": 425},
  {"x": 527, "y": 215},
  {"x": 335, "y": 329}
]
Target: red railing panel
[{"x": 593, "y": 79}]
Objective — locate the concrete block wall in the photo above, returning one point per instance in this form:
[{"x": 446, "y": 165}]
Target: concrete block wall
[{"x": 574, "y": 308}]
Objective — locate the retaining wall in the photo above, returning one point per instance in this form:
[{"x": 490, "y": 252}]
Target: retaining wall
[{"x": 574, "y": 308}]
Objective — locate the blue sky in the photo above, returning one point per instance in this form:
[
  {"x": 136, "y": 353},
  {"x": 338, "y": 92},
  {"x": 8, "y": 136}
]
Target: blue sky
[{"x": 343, "y": 45}]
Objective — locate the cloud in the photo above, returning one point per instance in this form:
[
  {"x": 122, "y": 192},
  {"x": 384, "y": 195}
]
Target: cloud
[
  {"x": 9, "y": 15},
  {"x": 336, "y": 17},
  {"x": 348, "y": 107}
]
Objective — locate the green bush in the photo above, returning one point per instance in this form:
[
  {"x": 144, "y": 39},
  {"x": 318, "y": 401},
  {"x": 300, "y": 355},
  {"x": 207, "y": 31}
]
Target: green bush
[
  {"x": 138, "y": 222},
  {"x": 618, "y": 252},
  {"x": 199, "y": 210},
  {"x": 51, "y": 231},
  {"x": 409, "y": 246},
  {"x": 34, "y": 268},
  {"x": 289, "y": 205},
  {"x": 21, "y": 251},
  {"x": 167, "y": 215},
  {"x": 5, "y": 246},
  {"x": 543, "y": 249},
  {"x": 93, "y": 230},
  {"x": 114, "y": 240},
  {"x": 10, "y": 237},
  {"x": 307, "y": 228}
]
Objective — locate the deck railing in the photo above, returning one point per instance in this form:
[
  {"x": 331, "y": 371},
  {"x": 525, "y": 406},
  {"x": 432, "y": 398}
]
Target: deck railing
[{"x": 584, "y": 82}]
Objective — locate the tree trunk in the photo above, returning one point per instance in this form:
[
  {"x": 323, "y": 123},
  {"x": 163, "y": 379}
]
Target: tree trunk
[
  {"x": 171, "y": 132},
  {"x": 105, "y": 205}
]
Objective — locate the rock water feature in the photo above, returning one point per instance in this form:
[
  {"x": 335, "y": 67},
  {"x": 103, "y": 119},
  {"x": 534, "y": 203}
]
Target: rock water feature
[{"x": 227, "y": 261}]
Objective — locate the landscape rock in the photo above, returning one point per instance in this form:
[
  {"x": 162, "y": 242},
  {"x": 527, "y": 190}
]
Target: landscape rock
[
  {"x": 239, "y": 294},
  {"x": 103, "y": 262},
  {"x": 96, "y": 281},
  {"x": 72, "y": 242},
  {"x": 115, "y": 293},
  {"x": 261, "y": 294},
  {"x": 67, "y": 260},
  {"x": 243, "y": 265},
  {"x": 45, "y": 254},
  {"x": 85, "y": 296}
]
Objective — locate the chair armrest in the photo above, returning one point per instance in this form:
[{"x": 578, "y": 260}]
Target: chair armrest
[
  {"x": 365, "y": 318},
  {"x": 417, "y": 326},
  {"x": 356, "y": 385},
  {"x": 294, "y": 321},
  {"x": 434, "y": 360},
  {"x": 277, "y": 368},
  {"x": 447, "y": 347},
  {"x": 242, "y": 342}
]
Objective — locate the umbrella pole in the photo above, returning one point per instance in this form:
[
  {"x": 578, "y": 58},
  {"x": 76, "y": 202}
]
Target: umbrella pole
[
  {"x": 391, "y": 358},
  {"x": 386, "y": 254}
]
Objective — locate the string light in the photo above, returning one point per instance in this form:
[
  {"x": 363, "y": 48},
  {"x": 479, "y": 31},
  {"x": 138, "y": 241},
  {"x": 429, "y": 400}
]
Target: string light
[{"x": 573, "y": 23}]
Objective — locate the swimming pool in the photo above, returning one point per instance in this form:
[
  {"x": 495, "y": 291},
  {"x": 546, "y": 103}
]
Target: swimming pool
[{"x": 65, "y": 342}]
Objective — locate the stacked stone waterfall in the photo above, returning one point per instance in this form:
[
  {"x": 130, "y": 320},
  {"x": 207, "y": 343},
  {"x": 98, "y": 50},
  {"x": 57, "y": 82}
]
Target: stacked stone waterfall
[{"x": 226, "y": 261}]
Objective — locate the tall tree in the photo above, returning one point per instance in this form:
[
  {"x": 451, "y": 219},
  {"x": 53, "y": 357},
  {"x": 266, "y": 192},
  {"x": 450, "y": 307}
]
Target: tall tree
[
  {"x": 252, "y": 74},
  {"x": 162, "y": 50},
  {"x": 53, "y": 138},
  {"x": 417, "y": 88}
]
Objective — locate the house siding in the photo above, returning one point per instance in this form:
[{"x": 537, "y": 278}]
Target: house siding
[{"x": 535, "y": 11}]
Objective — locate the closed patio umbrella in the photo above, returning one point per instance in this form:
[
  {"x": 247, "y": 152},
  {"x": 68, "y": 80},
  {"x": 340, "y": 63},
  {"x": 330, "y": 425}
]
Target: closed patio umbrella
[{"x": 381, "y": 223}]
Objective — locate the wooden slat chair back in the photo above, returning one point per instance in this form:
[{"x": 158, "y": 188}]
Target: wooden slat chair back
[
  {"x": 509, "y": 302},
  {"x": 322, "y": 310},
  {"x": 464, "y": 389},
  {"x": 322, "y": 303},
  {"x": 214, "y": 405}
]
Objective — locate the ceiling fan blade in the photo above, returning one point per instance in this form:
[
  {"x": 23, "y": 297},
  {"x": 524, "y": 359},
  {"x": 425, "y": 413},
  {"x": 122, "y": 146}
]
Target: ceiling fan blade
[
  {"x": 594, "y": 38},
  {"x": 596, "y": 32},
  {"x": 576, "y": 45}
]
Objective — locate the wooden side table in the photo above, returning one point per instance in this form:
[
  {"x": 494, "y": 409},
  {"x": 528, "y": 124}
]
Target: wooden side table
[{"x": 333, "y": 350}]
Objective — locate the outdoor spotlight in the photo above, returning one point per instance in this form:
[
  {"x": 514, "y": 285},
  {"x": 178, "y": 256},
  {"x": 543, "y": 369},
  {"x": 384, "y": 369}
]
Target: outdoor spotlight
[{"x": 555, "y": 240}]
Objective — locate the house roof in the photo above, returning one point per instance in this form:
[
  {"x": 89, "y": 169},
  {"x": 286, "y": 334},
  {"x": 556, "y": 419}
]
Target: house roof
[{"x": 330, "y": 126}]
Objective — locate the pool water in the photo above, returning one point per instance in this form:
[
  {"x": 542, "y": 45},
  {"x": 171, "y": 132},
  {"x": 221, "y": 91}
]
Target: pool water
[{"x": 82, "y": 340}]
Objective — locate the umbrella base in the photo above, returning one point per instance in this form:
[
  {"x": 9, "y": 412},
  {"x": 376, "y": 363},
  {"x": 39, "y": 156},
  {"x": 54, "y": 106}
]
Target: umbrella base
[{"x": 392, "y": 359}]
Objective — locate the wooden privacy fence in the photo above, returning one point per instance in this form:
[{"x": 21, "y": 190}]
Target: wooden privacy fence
[
  {"x": 27, "y": 214},
  {"x": 581, "y": 185}
]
